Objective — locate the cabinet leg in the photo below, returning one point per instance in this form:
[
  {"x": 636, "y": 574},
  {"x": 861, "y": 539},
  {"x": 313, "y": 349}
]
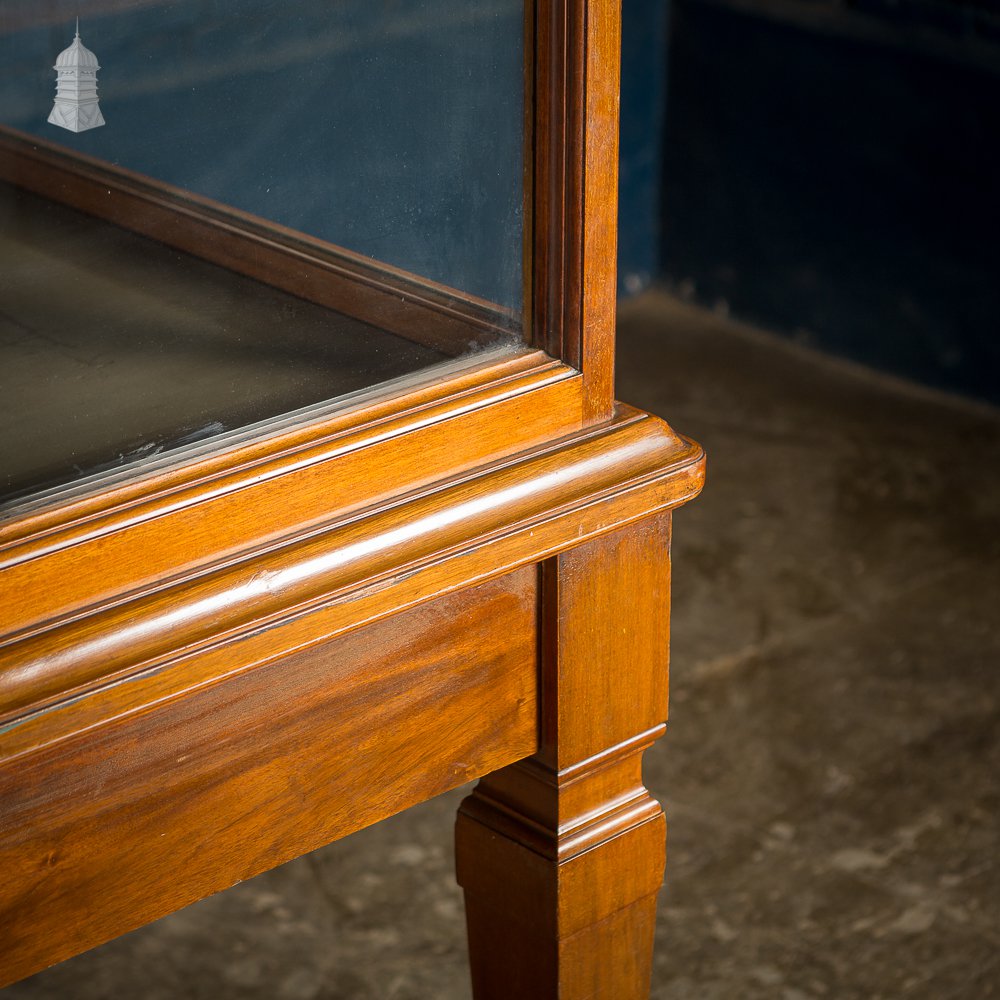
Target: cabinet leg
[{"x": 561, "y": 856}]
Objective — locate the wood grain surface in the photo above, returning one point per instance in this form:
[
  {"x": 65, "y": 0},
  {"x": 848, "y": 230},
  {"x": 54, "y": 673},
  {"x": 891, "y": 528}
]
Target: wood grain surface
[
  {"x": 60, "y": 561},
  {"x": 301, "y": 590},
  {"x": 562, "y": 856},
  {"x": 216, "y": 665},
  {"x": 237, "y": 461},
  {"x": 116, "y": 827},
  {"x": 402, "y": 643},
  {"x": 575, "y": 94}
]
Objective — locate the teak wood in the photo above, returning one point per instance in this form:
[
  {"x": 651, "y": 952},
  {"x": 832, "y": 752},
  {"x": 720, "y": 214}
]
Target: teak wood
[{"x": 235, "y": 655}]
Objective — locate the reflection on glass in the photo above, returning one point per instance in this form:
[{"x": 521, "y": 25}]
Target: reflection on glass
[{"x": 272, "y": 204}]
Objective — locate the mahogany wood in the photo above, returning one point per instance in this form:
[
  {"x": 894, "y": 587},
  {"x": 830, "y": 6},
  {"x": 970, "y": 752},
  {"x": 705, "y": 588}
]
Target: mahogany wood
[
  {"x": 115, "y": 827},
  {"x": 199, "y": 707},
  {"x": 197, "y": 516},
  {"x": 446, "y": 579},
  {"x": 575, "y": 189},
  {"x": 562, "y": 856},
  {"x": 391, "y": 416},
  {"x": 283, "y": 595},
  {"x": 572, "y": 69},
  {"x": 351, "y": 283}
]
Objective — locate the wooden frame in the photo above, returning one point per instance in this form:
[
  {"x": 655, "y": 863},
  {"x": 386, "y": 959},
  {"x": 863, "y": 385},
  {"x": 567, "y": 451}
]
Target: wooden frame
[
  {"x": 572, "y": 66},
  {"x": 180, "y": 649},
  {"x": 384, "y": 296},
  {"x": 575, "y": 92}
]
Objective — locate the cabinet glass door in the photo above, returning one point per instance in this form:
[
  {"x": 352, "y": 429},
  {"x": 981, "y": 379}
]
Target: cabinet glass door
[{"x": 218, "y": 212}]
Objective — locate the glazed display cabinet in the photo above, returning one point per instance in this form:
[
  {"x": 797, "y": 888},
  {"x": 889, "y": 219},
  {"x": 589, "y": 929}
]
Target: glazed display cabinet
[{"x": 315, "y": 499}]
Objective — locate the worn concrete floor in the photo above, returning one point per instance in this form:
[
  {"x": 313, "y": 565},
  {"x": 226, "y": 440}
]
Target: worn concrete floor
[{"x": 832, "y": 765}]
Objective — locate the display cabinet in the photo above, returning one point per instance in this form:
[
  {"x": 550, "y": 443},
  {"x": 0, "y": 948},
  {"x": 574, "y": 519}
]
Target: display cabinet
[{"x": 315, "y": 498}]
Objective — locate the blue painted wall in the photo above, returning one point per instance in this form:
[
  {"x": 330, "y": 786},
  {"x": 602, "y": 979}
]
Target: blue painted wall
[
  {"x": 839, "y": 190},
  {"x": 643, "y": 116}
]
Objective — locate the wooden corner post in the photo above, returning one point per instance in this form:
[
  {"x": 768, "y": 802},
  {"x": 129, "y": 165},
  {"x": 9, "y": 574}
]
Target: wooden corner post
[
  {"x": 561, "y": 856},
  {"x": 574, "y": 70}
]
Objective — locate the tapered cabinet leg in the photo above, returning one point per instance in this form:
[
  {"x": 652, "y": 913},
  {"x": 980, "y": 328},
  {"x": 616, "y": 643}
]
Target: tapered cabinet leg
[{"x": 561, "y": 856}]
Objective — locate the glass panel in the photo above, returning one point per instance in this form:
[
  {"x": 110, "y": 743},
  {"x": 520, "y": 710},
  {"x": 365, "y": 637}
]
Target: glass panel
[{"x": 214, "y": 212}]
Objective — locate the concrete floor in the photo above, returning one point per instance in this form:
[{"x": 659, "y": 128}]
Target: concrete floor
[{"x": 832, "y": 766}]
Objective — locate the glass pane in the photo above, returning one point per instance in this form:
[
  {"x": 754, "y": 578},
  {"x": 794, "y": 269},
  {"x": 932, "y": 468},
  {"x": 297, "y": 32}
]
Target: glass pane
[{"x": 215, "y": 212}]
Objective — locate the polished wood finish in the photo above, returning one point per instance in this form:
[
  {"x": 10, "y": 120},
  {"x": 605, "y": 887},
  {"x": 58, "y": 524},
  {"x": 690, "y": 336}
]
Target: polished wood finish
[
  {"x": 575, "y": 184},
  {"x": 154, "y": 811},
  {"x": 351, "y": 283},
  {"x": 463, "y": 575},
  {"x": 391, "y": 425},
  {"x": 572, "y": 70},
  {"x": 51, "y": 574},
  {"x": 283, "y": 594},
  {"x": 562, "y": 856},
  {"x": 163, "y": 714}
]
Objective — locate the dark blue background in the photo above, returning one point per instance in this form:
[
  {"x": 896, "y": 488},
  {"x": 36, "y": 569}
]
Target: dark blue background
[
  {"x": 835, "y": 186},
  {"x": 390, "y": 128},
  {"x": 833, "y": 179}
]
